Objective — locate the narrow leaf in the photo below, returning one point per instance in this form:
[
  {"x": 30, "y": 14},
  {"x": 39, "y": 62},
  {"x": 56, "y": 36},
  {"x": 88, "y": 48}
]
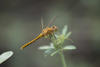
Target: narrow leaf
[
  {"x": 70, "y": 47},
  {"x": 64, "y": 31},
  {"x": 4, "y": 56}
]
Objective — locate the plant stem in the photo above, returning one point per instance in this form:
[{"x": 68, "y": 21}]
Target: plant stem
[{"x": 63, "y": 59}]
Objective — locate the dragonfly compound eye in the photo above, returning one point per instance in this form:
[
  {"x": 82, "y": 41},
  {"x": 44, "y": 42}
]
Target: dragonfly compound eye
[{"x": 54, "y": 28}]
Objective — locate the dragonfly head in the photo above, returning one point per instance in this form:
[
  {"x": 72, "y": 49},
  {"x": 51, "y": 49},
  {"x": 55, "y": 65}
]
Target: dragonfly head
[{"x": 54, "y": 28}]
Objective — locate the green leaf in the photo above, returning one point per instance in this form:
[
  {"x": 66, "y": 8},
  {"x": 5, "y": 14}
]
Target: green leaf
[
  {"x": 69, "y": 47},
  {"x": 55, "y": 52},
  {"x": 44, "y": 47},
  {"x": 49, "y": 51},
  {"x": 5, "y": 56},
  {"x": 67, "y": 35},
  {"x": 64, "y": 31}
]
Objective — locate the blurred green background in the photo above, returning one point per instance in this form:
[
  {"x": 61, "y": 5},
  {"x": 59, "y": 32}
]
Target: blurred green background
[{"x": 20, "y": 18}]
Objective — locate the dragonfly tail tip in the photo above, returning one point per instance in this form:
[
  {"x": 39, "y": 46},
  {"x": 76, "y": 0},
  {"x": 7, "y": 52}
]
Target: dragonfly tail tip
[{"x": 21, "y": 48}]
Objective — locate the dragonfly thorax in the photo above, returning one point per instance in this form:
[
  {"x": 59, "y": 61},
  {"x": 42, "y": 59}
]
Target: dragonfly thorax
[{"x": 49, "y": 30}]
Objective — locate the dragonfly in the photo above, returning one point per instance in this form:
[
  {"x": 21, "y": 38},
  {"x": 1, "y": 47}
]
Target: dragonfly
[{"x": 45, "y": 31}]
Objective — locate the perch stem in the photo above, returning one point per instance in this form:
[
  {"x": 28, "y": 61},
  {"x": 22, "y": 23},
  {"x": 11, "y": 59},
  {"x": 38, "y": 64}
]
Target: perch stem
[{"x": 63, "y": 59}]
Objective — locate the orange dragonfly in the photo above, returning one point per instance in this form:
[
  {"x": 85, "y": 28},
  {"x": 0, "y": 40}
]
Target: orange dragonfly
[{"x": 46, "y": 31}]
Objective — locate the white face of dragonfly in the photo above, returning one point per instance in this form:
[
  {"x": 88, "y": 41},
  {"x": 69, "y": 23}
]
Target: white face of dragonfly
[{"x": 4, "y": 56}]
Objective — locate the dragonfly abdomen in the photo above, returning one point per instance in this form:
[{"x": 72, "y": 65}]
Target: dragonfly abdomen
[{"x": 38, "y": 37}]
